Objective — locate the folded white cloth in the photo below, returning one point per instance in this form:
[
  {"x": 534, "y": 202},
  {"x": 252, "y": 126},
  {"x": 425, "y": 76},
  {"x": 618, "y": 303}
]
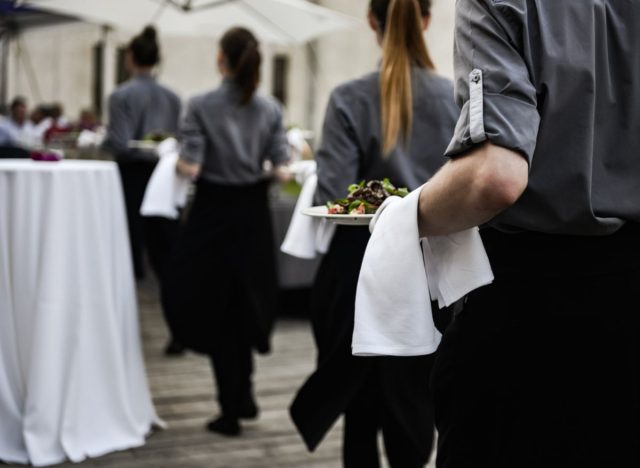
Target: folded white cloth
[
  {"x": 400, "y": 275},
  {"x": 167, "y": 190},
  {"x": 89, "y": 139},
  {"x": 297, "y": 143},
  {"x": 307, "y": 236}
]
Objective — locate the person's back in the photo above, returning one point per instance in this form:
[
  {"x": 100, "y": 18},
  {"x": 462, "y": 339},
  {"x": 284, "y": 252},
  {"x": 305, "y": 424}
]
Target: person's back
[
  {"x": 354, "y": 110},
  {"x": 573, "y": 66},
  {"x": 232, "y": 139},
  {"x": 138, "y": 108}
]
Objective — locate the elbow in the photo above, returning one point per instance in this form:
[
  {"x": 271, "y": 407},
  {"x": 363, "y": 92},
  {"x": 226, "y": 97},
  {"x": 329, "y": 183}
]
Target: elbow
[
  {"x": 497, "y": 195},
  {"x": 501, "y": 182}
]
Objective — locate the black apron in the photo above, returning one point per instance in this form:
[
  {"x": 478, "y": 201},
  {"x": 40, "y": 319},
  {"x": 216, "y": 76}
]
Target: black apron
[
  {"x": 542, "y": 367},
  {"x": 224, "y": 263}
]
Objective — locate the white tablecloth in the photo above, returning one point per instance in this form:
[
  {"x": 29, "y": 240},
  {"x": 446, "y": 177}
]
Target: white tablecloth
[{"x": 72, "y": 379}]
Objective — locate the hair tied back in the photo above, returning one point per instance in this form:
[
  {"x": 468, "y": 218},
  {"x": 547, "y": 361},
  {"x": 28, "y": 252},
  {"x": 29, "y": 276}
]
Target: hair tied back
[{"x": 150, "y": 33}]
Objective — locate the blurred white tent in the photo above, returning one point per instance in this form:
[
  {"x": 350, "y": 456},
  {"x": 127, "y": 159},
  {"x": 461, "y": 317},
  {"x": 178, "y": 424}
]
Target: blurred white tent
[{"x": 274, "y": 21}]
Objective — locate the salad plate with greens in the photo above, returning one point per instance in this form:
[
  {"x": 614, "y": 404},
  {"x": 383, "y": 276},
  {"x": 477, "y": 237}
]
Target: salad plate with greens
[
  {"x": 150, "y": 141},
  {"x": 360, "y": 204}
]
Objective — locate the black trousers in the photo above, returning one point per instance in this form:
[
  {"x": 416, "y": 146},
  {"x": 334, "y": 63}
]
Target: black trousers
[
  {"x": 232, "y": 363},
  {"x": 542, "y": 368},
  {"x": 153, "y": 234},
  {"x": 370, "y": 412}
]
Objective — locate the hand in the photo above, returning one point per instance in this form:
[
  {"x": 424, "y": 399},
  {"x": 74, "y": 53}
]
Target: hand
[
  {"x": 283, "y": 174},
  {"x": 187, "y": 169}
]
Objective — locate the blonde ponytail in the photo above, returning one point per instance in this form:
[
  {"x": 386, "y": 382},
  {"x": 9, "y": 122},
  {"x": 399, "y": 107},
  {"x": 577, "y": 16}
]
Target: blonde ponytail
[{"x": 403, "y": 47}]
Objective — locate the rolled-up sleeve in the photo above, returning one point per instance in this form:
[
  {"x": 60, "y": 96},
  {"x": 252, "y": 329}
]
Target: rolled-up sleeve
[
  {"x": 192, "y": 137},
  {"x": 338, "y": 155},
  {"x": 493, "y": 86},
  {"x": 278, "y": 149}
]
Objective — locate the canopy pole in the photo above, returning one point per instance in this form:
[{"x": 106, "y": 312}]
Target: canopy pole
[
  {"x": 5, "y": 39},
  {"x": 108, "y": 68},
  {"x": 312, "y": 84}
]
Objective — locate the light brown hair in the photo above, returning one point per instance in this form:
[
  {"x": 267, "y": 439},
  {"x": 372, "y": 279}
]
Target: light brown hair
[{"x": 403, "y": 46}]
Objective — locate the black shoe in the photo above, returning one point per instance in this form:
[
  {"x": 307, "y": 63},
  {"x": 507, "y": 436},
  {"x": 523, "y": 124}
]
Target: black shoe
[
  {"x": 174, "y": 348},
  {"x": 249, "y": 409},
  {"x": 225, "y": 426}
]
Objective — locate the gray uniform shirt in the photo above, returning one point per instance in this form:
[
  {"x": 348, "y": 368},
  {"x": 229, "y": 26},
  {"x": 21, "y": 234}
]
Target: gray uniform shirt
[
  {"x": 351, "y": 147},
  {"x": 139, "y": 107},
  {"x": 558, "y": 81},
  {"x": 232, "y": 140}
]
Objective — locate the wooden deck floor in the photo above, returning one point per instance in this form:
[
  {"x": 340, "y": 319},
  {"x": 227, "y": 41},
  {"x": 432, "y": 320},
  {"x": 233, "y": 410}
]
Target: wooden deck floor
[{"x": 184, "y": 397}]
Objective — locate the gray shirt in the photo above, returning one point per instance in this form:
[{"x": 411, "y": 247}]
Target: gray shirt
[
  {"x": 351, "y": 147},
  {"x": 559, "y": 82},
  {"x": 137, "y": 108},
  {"x": 231, "y": 140}
]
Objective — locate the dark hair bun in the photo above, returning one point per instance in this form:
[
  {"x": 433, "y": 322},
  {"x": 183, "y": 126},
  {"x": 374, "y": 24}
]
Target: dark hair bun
[
  {"x": 150, "y": 33},
  {"x": 144, "y": 47}
]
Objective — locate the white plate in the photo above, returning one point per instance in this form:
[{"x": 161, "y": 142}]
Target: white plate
[
  {"x": 143, "y": 144},
  {"x": 347, "y": 220}
]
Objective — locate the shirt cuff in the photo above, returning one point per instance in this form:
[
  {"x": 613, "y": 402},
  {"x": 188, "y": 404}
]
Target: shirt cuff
[{"x": 508, "y": 122}]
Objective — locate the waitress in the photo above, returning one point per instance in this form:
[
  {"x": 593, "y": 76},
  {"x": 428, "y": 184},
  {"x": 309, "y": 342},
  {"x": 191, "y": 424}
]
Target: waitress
[
  {"x": 138, "y": 108},
  {"x": 223, "y": 276},
  {"x": 394, "y": 123}
]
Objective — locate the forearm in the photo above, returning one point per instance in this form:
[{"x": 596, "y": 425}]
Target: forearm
[{"x": 471, "y": 190}]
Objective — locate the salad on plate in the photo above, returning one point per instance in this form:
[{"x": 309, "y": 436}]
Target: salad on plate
[{"x": 365, "y": 198}]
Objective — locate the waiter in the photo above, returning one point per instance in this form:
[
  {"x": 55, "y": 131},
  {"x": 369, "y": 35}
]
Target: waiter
[
  {"x": 541, "y": 367},
  {"x": 140, "y": 108}
]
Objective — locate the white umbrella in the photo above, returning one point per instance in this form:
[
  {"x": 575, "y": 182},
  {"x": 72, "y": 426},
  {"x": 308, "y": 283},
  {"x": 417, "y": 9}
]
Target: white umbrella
[{"x": 273, "y": 21}]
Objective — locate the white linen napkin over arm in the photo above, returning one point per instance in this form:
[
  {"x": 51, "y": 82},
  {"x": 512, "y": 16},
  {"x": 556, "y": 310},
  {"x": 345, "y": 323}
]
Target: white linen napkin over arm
[
  {"x": 307, "y": 236},
  {"x": 167, "y": 190},
  {"x": 393, "y": 315}
]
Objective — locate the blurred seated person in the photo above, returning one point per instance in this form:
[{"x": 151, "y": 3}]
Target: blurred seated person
[
  {"x": 87, "y": 120},
  {"x": 41, "y": 120},
  {"x": 7, "y": 148},
  {"x": 59, "y": 123},
  {"x": 16, "y": 135},
  {"x": 17, "y": 128}
]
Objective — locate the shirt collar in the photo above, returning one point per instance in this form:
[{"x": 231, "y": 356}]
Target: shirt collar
[{"x": 144, "y": 76}]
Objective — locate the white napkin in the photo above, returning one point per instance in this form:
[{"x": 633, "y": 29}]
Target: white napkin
[
  {"x": 307, "y": 236},
  {"x": 297, "y": 142},
  {"x": 167, "y": 190},
  {"x": 89, "y": 139},
  {"x": 400, "y": 276}
]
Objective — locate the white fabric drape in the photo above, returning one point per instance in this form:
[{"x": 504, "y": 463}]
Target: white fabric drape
[{"x": 72, "y": 379}]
